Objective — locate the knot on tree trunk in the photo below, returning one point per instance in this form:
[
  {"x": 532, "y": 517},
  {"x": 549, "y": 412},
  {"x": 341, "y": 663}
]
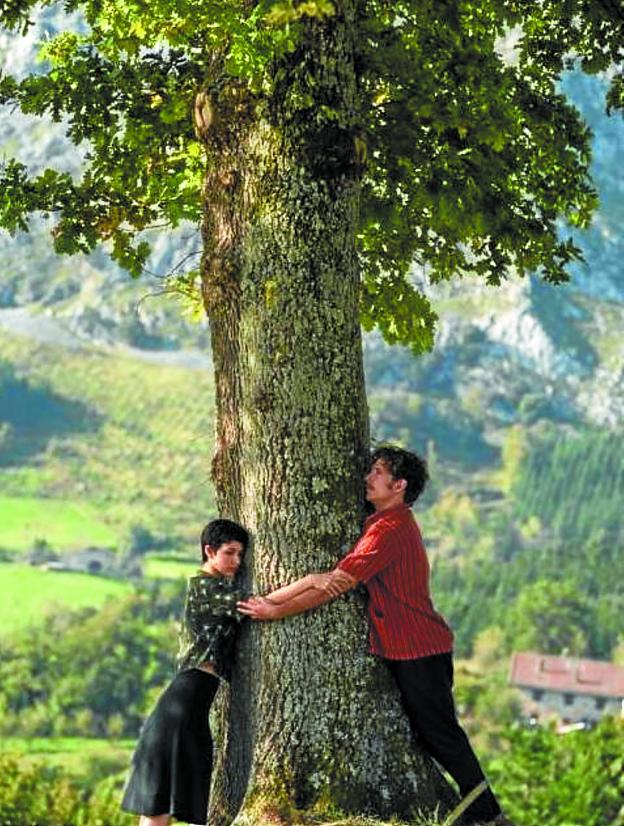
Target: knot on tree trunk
[{"x": 203, "y": 114}]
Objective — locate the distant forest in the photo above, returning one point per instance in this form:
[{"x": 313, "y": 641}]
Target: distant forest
[{"x": 574, "y": 484}]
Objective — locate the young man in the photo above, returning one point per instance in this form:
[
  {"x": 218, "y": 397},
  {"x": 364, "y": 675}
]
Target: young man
[{"x": 405, "y": 629}]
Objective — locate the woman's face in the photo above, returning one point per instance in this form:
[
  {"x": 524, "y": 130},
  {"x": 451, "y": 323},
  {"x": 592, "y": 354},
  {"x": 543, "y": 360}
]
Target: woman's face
[{"x": 224, "y": 560}]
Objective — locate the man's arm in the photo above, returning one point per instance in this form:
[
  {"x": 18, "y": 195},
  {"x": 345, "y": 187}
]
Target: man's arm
[
  {"x": 294, "y": 589},
  {"x": 320, "y": 588}
]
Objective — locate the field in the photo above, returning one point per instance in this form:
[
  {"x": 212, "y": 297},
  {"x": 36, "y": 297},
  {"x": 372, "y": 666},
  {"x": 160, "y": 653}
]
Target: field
[
  {"x": 65, "y": 525},
  {"x": 96, "y": 439},
  {"x": 80, "y": 757},
  {"x": 27, "y": 591},
  {"x": 169, "y": 567}
]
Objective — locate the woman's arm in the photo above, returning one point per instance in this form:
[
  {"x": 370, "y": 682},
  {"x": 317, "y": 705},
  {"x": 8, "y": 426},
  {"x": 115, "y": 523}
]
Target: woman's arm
[{"x": 287, "y": 592}]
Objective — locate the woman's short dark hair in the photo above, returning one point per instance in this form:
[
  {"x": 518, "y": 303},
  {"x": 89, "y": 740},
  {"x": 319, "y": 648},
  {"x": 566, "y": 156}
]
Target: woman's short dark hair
[
  {"x": 219, "y": 531},
  {"x": 403, "y": 464}
]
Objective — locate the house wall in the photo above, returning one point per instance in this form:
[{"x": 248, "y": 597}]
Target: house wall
[{"x": 571, "y": 707}]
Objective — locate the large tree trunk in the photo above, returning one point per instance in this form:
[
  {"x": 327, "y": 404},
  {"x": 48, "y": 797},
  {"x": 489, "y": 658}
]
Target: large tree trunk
[{"x": 315, "y": 723}]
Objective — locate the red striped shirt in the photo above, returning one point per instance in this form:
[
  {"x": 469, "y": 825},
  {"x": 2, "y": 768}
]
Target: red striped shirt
[{"x": 390, "y": 558}]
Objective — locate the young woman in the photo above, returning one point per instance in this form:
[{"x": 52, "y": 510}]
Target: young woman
[{"x": 172, "y": 763}]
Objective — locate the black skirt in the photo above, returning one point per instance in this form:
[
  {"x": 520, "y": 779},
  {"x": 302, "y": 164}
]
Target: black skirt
[{"x": 172, "y": 763}]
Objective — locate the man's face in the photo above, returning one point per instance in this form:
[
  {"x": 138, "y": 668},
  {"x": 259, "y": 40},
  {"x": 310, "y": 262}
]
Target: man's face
[
  {"x": 381, "y": 486},
  {"x": 225, "y": 559}
]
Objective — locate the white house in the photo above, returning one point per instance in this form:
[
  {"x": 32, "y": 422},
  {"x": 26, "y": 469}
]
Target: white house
[{"x": 88, "y": 561}]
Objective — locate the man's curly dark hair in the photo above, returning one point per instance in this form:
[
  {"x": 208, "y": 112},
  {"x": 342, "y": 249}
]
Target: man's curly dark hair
[{"x": 403, "y": 464}]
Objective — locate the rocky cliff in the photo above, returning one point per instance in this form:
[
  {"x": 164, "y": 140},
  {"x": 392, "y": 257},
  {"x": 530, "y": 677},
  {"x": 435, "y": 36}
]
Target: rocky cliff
[{"x": 522, "y": 353}]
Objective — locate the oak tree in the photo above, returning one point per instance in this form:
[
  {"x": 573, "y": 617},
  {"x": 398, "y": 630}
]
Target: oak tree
[{"x": 324, "y": 146}]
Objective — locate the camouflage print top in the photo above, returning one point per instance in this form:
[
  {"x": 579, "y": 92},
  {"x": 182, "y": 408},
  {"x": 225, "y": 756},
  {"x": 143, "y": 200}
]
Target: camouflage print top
[{"x": 210, "y": 624}]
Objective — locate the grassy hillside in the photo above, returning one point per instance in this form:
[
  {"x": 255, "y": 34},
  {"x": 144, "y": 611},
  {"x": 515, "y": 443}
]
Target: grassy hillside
[
  {"x": 573, "y": 484},
  {"x": 92, "y": 443},
  {"x": 79, "y": 757},
  {"x": 64, "y": 525},
  {"x": 28, "y": 592}
]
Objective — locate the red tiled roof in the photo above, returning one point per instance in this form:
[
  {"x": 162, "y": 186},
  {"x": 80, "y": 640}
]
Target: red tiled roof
[{"x": 567, "y": 674}]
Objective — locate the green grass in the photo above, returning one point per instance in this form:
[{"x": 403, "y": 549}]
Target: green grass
[
  {"x": 62, "y": 745},
  {"x": 27, "y": 592},
  {"x": 65, "y": 525},
  {"x": 80, "y": 757},
  {"x": 159, "y": 567}
]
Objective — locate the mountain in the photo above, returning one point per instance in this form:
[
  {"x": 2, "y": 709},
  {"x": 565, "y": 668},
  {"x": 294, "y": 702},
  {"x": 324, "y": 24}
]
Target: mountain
[
  {"x": 526, "y": 352},
  {"x": 523, "y": 354}
]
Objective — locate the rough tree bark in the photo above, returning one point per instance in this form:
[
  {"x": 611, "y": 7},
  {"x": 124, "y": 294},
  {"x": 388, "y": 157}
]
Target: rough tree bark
[{"x": 315, "y": 724}]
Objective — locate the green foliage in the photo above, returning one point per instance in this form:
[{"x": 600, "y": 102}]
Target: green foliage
[
  {"x": 101, "y": 807},
  {"x": 87, "y": 673},
  {"x": 570, "y": 780},
  {"x": 454, "y": 524},
  {"x": 541, "y": 778},
  {"x": 35, "y": 795},
  {"x": 86, "y": 761},
  {"x": 402, "y": 314},
  {"x": 575, "y": 588},
  {"x": 485, "y": 701},
  {"x": 573, "y": 484},
  {"x": 463, "y": 136},
  {"x": 140, "y": 540},
  {"x": 541, "y": 564},
  {"x": 549, "y": 617},
  {"x": 512, "y": 455},
  {"x": 469, "y": 162}
]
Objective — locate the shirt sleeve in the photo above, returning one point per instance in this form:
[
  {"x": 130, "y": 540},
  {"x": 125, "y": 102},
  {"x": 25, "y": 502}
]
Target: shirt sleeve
[{"x": 370, "y": 554}]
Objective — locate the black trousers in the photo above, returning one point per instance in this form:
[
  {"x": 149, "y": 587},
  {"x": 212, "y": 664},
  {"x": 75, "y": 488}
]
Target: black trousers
[{"x": 426, "y": 686}]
